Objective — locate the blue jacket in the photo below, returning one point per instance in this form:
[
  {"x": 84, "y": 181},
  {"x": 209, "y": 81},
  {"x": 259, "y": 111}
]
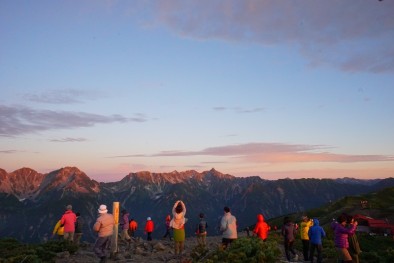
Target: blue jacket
[{"x": 316, "y": 233}]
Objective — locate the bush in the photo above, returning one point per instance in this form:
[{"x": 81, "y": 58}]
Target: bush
[
  {"x": 252, "y": 250},
  {"x": 12, "y": 251}
]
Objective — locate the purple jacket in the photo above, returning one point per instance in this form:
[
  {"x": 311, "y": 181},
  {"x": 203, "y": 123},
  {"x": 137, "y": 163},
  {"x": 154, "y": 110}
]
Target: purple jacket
[
  {"x": 341, "y": 234},
  {"x": 124, "y": 221}
]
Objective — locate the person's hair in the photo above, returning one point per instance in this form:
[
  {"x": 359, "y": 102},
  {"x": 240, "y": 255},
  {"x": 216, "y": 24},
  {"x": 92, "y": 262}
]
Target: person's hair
[
  {"x": 349, "y": 218},
  {"x": 124, "y": 211},
  {"x": 226, "y": 209},
  {"x": 286, "y": 220},
  {"x": 179, "y": 208},
  {"x": 77, "y": 214},
  {"x": 342, "y": 218},
  {"x": 201, "y": 215}
]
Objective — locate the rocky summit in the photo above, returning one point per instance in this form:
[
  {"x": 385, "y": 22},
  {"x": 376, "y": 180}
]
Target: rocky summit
[{"x": 33, "y": 202}]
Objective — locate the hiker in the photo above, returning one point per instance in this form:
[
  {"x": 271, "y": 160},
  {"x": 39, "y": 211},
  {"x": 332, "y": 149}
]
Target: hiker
[
  {"x": 228, "y": 227},
  {"x": 201, "y": 231},
  {"x": 149, "y": 227},
  {"x": 168, "y": 228},
  {"x": 178, "y": 224},
  {"x": 316, "y": 233},
  {"x": 289, "y": 232},
  {"x": 304, "y": 228},
  {"x": 58, "y": 230},
  {"x": 354, "y": 246},
  {"x": 78, "y": 228},
  {"x": 341, "y": 234},
  {"x": 104, "y": 226},
  {"x": 247, "y": 230},
  {"x": 132, "y": 227},
  {"x": 261, "y": 229},
  {"x": 124, "y": 224},
  {"x": 68, "y": 221}
]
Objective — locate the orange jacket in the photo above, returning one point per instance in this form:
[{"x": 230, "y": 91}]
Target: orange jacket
[
  {"x": 133, "y": 225},
  {"x": 149, "y": 226},
  {"x": 261, "y": 229}
]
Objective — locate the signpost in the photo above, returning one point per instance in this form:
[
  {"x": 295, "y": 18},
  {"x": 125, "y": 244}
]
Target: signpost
[{"x": 115, "y": 212}]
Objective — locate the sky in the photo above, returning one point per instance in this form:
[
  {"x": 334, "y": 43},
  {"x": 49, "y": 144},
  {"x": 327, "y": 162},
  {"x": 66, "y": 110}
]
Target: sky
[{"x": 276, "y": 89}]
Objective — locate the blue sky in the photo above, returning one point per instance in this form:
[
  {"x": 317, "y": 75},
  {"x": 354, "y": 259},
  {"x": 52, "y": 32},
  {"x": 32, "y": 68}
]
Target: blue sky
[{"x": 269, "y": 88}]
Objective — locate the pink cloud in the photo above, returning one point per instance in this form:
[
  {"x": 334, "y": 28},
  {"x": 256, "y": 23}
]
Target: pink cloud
[
  {"x": 273, "y": 153},
  {"x": 320, "y": 29}
]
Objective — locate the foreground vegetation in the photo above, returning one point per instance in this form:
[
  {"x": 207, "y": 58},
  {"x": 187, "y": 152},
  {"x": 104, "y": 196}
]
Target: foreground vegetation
[
  {"x": 252, "y": 250},
  {"x": 12, "y": 251},
  {"x": 376, "y": 249}
]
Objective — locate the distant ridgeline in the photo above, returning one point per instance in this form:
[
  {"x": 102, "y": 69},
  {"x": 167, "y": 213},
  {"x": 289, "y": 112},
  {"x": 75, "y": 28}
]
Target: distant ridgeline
[{"x": 31, "y": 202}]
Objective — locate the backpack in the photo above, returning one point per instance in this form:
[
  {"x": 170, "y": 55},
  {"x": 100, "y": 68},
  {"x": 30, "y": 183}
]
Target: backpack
[{"x": 202, "y": 227}]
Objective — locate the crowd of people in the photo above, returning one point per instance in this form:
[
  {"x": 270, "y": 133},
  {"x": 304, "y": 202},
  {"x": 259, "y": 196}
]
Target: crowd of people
[
  {"x": 69, "y": 227},
  {"x": 311, "y": 234}
]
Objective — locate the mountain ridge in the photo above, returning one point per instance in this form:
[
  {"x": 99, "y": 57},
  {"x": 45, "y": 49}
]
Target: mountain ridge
[{"x": 30, "y": 210}]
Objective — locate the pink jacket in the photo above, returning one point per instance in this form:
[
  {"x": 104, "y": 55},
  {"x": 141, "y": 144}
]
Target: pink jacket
[
  {"x": 104, "y": 225},
  {"x": 68, "y": 220}
]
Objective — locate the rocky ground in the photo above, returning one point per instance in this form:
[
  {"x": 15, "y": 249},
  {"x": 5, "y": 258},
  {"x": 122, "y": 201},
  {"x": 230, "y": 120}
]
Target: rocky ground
[{"x": 155, "y": 251}]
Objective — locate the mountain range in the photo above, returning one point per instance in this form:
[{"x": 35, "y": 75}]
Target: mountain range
[{"x": 32, "y": 202}]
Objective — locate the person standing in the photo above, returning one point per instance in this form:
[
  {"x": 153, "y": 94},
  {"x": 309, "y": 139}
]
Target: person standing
[
  {"x": 78, "y": 228},
  {"x": 288, "y": 232},
  {"x": 68, "y": 220},
  {"x": 104, "y": 226},
  {"x": 316, "y": 233},
  {"x": 341, "y": 234},
  {"x": 201, "y": 231},
  {"x": 149, "y": 227},
  {"x": 228, "y": 227},
  {"x": 168, "y": 228},
  {"x": 178, "y": 224},
  {"x": 124, "y": 224},
  {"x": 304, "y": 228},
  {"x": 354, "y": 246},
  {"x": 261, "y": 229},
  {"x": 132, "y": 227}
]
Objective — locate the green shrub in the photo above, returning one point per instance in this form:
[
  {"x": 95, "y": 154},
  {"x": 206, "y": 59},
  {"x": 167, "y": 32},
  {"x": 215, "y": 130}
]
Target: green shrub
[
  {"x": 252, "y": 250},
  {"x": 12, "y": 251}
]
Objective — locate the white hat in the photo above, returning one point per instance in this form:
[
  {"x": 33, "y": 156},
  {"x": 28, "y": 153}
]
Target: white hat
[
  {"x": 102, "y": 209},
  {"x": 148, "y": 218}
]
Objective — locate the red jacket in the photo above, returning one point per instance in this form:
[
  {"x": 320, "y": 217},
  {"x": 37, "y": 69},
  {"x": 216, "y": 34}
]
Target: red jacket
[
  {"x": 149, "y": 226},
  {"x": 68, "y": 220},
  {"x": 261, "y": 229},
  {"x": 133, "y": 225}
]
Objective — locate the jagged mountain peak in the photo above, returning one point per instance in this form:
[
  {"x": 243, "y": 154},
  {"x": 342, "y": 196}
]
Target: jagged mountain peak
[
  {"x": 69, "y": 178},
  {"x": 22, "y": 182},
  {"x": 171, "y": 177},
  {"x": 217, "y": 174}
]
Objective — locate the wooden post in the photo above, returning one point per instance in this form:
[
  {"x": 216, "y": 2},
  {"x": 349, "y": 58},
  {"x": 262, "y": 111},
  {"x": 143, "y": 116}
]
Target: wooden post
[{"x": 115, "y": 212}]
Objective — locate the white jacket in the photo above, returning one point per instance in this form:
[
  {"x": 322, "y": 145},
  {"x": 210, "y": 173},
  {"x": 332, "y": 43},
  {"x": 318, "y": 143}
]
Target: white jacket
[
  {"x": 178, "y": 220},
  {"x": 228, "y": 226}
]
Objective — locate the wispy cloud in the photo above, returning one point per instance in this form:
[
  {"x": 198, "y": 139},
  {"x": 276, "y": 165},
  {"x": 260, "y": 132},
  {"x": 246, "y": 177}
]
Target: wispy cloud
[
  {"x": 273, "y": 153},
  {"x": 9, "y": 151},
  {"x": 61, "y": 96},
  {"x": 238, "y": 110},
  {"x": 352, "y": 36},
  {"x": 69, "y": 140},
  {"x": 17, "y": 120}
]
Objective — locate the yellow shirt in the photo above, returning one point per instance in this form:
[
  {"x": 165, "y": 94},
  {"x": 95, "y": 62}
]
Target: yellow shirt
[
  {"x": 304, "y": 228},
  {"x": 58, "y": 229}
]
